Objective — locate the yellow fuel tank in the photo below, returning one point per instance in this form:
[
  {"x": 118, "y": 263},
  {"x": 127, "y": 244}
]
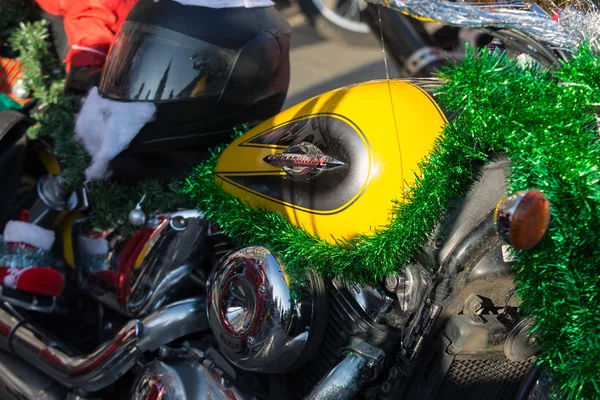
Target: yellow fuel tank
[{"x": 334, "y": 164}]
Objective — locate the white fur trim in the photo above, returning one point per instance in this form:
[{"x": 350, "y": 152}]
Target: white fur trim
[
  {"x": 33, "y": 235},
  {"x": 88, "y": 49},
  {"x": 93, "y": 246},
  {"x": 106, "y": 127},
  {"x": 14, "y": 274},
  {"x": 227, "y": 3},
  {"x": 10, "y": 281}
]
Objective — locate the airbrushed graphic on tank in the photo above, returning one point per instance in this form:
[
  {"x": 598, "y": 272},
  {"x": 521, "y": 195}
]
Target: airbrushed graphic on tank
[
  {"x": 325, "y": 162},
  {"x": 377, "y": 132},
  {"x": 303, "y": 161}
]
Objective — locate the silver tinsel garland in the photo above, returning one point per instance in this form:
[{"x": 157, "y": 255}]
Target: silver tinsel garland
[
  {"x": 20, "y": 256},
  {"x": 574, "y": 26}
]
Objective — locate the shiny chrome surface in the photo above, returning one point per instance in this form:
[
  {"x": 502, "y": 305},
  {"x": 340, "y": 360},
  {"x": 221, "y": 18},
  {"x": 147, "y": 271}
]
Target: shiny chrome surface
[
  {"x": 520, "y": 344},
  {"x": 303, "y": 161},
  {"x": 174, "y": 246},
  {"x": 50, "y": 190},
  {"x": 421, "y": 58},
  {"x": 20, "y": 381},
  {"x": 51, "y": 201},
  {"x": 105, "y": 365},
  {"x": 344, "y": 381},
  {"x": 375, "y": 356},
  {"x": 181, "y": 380},
  {"x": 374, "y": 302},
  {"x": 359, "y": 364},
  {"x": 348, "y": 17},
  {"x": 410, "y": 284},
  {"x": 542, "y": 389},
  {"x": 261, "y": 323}
]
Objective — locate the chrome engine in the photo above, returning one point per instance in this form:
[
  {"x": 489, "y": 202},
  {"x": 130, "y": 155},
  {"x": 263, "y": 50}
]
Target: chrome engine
[
  {"x": 153, "y": 285},
  {"x": 137, "y": 281},
  {"x": 104, "y": 365},
  {"x": 358, "y": 342},
  {"x": 182, "y": 380},
  {"x": 322, "y": 339},
  {"x": 318, "y": 340},
  {"x": 261, "y": 323},
  {"x": 271, "y": 338}
]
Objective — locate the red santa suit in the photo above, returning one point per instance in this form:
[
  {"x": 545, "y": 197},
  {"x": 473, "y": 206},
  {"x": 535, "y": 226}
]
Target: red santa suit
[{"x": 90, "y": 25}]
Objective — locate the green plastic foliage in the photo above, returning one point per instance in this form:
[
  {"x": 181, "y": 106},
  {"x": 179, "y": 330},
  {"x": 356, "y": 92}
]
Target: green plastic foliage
[
  {"x": 54, "y": 117},
  {"x": 112, "y": 202}
]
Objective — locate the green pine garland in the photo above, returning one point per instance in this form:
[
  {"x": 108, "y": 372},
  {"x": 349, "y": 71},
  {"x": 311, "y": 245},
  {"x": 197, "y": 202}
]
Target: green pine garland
[
  {"x": 54, "y": 116},
  {"x": 547, "y": 127}
]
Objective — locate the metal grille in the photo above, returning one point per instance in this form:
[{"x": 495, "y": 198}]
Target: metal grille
[
  {"x": 339, "y": 327},
  {"x": 475, "y": 379},
  {"x": 343, "y": 321}
]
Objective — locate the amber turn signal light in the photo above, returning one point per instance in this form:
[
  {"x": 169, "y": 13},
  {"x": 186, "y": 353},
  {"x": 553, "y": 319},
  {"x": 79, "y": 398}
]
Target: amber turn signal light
[{"x": 522, "y": 219}]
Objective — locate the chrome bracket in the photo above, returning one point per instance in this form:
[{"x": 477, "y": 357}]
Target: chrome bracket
[
  {"x": 420, "y": 329},
  {"x": 373, "y": 355}
]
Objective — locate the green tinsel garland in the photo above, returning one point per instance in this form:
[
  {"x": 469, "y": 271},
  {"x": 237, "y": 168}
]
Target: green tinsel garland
[
  {"x": 549, "y": 130},
  {"x": 548, "y": 126}
]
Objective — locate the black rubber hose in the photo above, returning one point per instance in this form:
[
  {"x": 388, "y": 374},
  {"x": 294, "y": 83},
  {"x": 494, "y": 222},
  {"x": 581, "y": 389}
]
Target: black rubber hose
[{"x": 529, "y": 383}]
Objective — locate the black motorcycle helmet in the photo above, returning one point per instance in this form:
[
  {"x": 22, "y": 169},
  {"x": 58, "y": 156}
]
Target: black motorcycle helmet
[{"x": 207, "y": 70}]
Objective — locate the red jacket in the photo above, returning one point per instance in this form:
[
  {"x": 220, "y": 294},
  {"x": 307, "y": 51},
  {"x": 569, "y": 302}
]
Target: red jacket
[{"x": 90, "y": 25}]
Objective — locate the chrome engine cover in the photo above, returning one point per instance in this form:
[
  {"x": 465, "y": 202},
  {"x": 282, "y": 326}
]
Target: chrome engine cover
[
  {"x": 181, "y": 380},
  {"x": 260, "y": 322},
  {"x": 135, "y": 287}
]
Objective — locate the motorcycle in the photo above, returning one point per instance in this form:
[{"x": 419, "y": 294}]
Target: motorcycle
[
  {"x": 354, "y": 22},
  {"x": 339, "y": 20},
  {"x": 180, "y": 311},
  {"x": 416, "y": 49}
]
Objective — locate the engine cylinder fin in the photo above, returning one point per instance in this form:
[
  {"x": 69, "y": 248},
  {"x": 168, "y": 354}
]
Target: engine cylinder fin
[{"x": 344, "y": 321}]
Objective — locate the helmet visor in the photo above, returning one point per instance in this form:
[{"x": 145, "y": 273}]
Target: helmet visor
[{"x": 150, "y": 63}]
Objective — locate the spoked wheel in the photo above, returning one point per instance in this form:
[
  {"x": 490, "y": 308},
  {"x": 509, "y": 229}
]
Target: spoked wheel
[{"x": 339, "y": 20}]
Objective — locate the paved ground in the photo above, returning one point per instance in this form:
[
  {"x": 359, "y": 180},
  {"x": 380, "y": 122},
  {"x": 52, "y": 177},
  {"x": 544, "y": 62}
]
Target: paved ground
[{"x": 318, "y": 65}]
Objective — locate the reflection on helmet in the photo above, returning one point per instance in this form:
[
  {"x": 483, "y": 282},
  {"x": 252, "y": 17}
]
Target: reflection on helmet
[{"x": 207, "y": 70}]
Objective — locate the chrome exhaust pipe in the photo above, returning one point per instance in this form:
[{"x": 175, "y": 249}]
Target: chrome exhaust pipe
[
  {"x": 344, "y": 381},
  {"x": 110, "y": 361},
  {"x": 360, "y": 363},
  {"x": 19, "y": 381}
]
